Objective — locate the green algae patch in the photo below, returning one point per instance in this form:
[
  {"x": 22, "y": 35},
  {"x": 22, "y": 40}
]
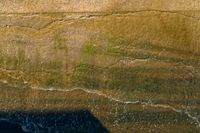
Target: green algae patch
[
  {"x": 88, "y": 76},
  {"x": 90, "y": 48}
]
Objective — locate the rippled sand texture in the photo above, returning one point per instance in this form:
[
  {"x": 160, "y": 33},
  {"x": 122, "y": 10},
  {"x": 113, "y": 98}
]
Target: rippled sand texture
[{"x": 134, "y": 65}]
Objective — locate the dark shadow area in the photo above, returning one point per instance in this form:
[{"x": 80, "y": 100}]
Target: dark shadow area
[{"x": 81, "y": 121}]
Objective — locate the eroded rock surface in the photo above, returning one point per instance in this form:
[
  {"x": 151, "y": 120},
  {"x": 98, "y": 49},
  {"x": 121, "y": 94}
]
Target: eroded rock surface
[{"x": 134, "y": 64}]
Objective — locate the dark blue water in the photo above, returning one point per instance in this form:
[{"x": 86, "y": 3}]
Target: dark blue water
[{"x": 81, "y": 121}]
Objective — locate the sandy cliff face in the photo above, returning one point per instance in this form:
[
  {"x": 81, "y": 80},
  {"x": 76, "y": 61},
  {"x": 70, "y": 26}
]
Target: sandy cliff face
[{"x": 130, "y": 49}]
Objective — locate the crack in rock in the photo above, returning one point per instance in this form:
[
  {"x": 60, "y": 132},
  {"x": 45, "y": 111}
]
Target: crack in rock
[{"x": 97, "y": 15}]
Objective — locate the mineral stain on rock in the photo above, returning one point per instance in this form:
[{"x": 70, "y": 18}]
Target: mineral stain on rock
[{"x": 135, "y": 65}]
